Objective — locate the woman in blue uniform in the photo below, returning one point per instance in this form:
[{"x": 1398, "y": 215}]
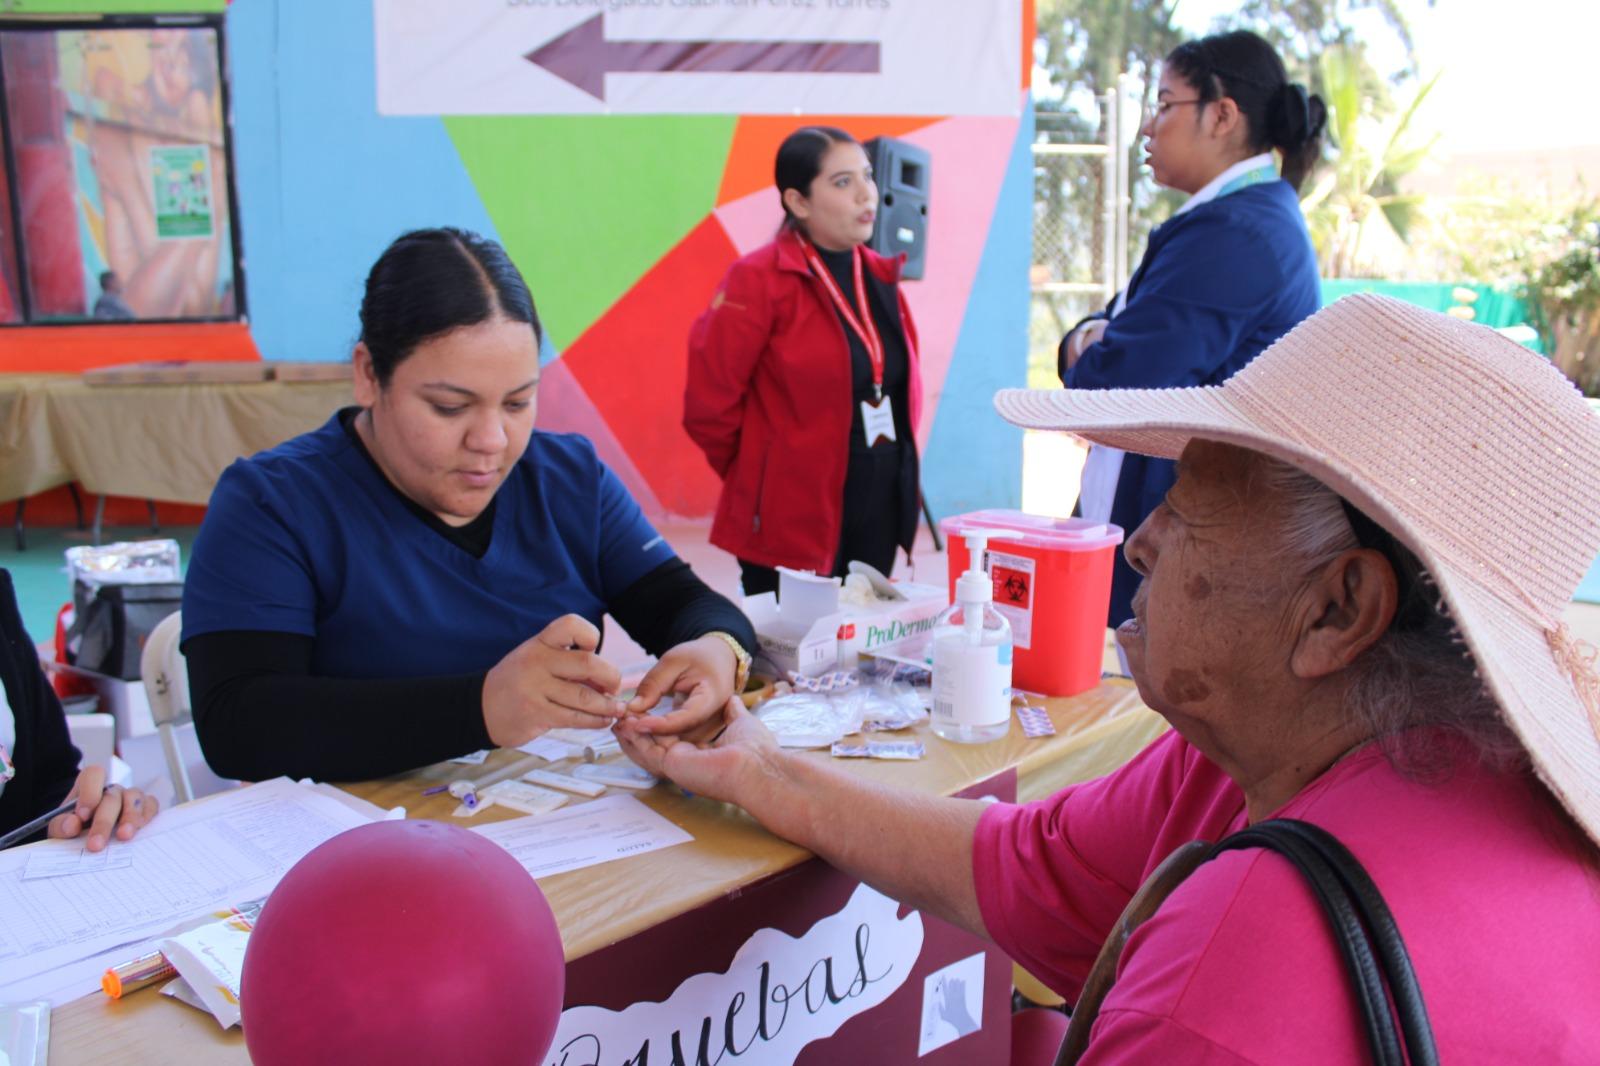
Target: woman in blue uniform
[
  {"x": 426, "y": 575},
  {"x": 1231, "y": 272}
]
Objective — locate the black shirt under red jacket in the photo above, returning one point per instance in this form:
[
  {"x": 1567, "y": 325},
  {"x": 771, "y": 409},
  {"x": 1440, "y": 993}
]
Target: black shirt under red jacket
[
  {"x": 46, "y": 761},
  {"x": 769, "y": 401}
]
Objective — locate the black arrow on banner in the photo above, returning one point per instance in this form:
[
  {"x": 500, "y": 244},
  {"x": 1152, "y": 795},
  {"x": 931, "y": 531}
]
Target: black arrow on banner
[{"x": 583, "y": 57}]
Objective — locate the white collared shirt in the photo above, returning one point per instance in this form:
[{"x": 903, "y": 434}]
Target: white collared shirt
[{"x": 1210, "y": 189}]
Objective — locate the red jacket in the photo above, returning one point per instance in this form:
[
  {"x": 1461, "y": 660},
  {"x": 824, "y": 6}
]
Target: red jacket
[{"x": 768, "y": 401}]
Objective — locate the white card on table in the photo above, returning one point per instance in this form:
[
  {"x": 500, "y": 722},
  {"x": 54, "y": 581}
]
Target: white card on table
[
  {"x": 521, "y": 796},
  {"x": 620, "y": 774},
  {"x": 565, "y": 782}
]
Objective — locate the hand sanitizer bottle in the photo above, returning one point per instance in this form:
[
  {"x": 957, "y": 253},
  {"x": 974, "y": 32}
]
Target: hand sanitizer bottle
[{"x": 972, "y": 657}]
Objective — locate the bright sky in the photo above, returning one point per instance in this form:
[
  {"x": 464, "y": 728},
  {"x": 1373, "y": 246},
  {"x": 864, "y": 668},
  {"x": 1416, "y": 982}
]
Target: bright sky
[{"x": 1516, "y": 75}]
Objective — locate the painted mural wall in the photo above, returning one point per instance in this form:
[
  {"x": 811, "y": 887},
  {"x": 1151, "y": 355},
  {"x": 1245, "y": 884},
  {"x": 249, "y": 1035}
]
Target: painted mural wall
[{"x": 623, "y": 225}]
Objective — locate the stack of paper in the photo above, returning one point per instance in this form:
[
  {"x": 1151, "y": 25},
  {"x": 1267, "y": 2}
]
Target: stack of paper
[{"x": 66, "y": 919}]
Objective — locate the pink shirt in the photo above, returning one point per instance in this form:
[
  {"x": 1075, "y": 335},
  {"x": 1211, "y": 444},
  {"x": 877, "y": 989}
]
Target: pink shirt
[{"x": 1497, "y": 901}]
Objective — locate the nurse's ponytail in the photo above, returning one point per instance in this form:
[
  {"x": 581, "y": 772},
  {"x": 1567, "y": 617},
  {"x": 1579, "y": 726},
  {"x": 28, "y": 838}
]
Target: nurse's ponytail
[
  {"x": 1279, "y": 114},
  {"x": 1294, "y": 127}
]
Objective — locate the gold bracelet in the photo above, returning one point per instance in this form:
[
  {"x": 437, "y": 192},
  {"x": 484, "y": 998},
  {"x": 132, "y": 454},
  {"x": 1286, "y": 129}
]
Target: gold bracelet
[{"x": 741, "y": 673}]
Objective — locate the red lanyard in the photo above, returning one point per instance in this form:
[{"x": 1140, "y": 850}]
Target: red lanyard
[{"x": 863, "y": 324}]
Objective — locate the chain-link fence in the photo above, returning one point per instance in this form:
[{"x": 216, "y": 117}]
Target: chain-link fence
[
  {"x": 1075, "y": 227},
  {"x": 1080, "y": 242}
]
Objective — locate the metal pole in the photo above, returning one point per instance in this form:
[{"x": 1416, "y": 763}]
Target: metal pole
[
  {"x": 1108, "y": 197},
  {"x": 1124, "y": 198}
]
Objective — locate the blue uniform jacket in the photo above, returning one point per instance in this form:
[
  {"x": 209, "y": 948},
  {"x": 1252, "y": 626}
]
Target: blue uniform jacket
[{"x": 1216, "y": 286}]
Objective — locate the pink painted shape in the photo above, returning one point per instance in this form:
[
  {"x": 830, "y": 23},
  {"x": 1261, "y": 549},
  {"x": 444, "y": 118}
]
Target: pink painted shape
[
  {"x": 565, "y": 407},
  {"x": 752, "y": 220},
  {"x": 970, "y": 156}
]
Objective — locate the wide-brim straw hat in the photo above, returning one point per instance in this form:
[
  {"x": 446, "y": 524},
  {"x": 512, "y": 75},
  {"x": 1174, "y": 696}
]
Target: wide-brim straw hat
[{"x": 1477, "y": 454}]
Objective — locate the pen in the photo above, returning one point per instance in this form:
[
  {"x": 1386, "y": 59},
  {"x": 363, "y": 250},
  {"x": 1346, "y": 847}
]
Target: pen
[
  {"x": 138, "y": 973},
  {"x": 27, "y": 829}
]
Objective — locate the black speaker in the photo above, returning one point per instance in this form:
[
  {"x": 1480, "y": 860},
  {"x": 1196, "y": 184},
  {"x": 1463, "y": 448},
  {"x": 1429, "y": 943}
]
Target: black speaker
[{"x": 901, "y": 170}]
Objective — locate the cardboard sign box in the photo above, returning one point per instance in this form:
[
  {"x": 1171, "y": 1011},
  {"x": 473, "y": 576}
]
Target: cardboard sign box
[{"x": 835, "y": 641}]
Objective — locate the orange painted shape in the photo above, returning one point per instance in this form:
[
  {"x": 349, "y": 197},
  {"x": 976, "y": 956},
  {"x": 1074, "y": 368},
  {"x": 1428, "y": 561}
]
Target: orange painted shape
[
  {"x": 53, "y": 507},
  {"x": 1030, "y": 33},
  {"x": 756, "y": 139},
  {"x": 70, "y": 349}
]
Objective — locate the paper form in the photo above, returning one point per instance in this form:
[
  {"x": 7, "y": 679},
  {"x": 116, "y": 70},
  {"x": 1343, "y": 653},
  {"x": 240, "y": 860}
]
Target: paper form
[
  {"x": 64, "y": 862},
  {"x": 193, "y": 859},
  {"x": 614, "y": 827}
]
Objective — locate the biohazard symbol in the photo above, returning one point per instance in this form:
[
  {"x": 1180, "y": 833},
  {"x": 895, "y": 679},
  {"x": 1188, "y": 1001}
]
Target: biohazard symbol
[{"x": 1011, "y": 586}]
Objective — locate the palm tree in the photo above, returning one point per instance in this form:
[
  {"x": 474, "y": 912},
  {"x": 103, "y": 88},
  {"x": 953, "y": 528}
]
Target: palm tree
[{"x": 1359, "y": 221}]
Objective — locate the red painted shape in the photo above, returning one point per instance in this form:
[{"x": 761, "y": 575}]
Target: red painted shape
[
  {"x": 564, "y": 407},
  {"x": 634, "y": 361},
  {"x": 756, "y": 139},
  {"x": 69, "y": 349}
]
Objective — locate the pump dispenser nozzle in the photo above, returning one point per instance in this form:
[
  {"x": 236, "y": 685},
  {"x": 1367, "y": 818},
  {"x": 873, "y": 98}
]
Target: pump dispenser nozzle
[{"x": 975, "y": 587}]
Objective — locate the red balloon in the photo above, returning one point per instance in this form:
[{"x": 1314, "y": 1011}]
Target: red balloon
[{"x": 406, "y": 941}]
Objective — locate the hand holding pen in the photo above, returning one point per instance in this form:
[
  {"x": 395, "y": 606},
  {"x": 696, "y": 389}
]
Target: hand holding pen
[{"x": 103, "y": 811}]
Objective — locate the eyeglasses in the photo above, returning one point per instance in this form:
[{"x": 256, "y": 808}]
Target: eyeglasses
[{"x": 1163, "y": 106}]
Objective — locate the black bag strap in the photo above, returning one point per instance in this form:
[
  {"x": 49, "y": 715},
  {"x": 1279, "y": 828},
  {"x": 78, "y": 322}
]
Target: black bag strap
[{"x": 1365, "y": 930}]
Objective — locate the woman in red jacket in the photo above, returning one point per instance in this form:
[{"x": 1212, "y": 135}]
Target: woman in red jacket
[{"x": 803, "y": 388}]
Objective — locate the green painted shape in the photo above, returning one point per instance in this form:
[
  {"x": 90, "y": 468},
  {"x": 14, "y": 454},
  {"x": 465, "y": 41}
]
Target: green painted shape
[
  {"x": 112, "y": 7},
  {"x": 586, "y": 205}
]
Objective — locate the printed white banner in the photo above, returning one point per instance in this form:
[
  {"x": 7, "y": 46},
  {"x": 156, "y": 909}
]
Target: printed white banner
[
  {"x": 780, "y": 994},
  {"x": 777, "y": 57}
]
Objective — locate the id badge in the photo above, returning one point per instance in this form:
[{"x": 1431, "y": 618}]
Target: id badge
[{"x": 877, "y": 420}]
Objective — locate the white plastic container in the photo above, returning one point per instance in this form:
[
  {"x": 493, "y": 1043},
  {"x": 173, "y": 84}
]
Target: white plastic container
[{"x": 972, "y": 658}]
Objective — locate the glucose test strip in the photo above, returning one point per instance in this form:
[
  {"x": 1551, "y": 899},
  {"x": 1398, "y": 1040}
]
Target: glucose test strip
[
  {"x": 621, "y": 775},
  {"x": 565, "y": 782},
  {"x": 519, "y": 796}
]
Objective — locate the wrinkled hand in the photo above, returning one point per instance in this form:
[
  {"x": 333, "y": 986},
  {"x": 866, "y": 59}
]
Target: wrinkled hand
[
  {"x": 103, "y": 810},
  {"x": 553, "y": 680},
  {"x": 1087, "y": 334},
  {"x": 703, "y": 668},
  {"x": 721, "y": 760}
]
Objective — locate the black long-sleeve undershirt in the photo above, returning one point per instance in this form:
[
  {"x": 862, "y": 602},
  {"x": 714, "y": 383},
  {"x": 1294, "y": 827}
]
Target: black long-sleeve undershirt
[{"x": 259, "y": 710}]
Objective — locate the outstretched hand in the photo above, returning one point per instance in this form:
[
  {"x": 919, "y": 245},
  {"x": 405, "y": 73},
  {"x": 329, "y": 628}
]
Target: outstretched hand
[
  {"x": 718, "y": 760},
  {"x": 703, "y": 669}
]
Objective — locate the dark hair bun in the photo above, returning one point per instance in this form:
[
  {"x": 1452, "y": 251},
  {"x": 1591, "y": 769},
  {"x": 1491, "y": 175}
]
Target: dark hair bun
[{"x": 1289, "y": 117}]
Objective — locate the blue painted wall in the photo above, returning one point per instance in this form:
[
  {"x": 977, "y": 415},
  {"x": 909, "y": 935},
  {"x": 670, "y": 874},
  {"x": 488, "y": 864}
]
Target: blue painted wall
[
  {"x": 974, "y": 458},
  {"x": 325, "y": 183}
]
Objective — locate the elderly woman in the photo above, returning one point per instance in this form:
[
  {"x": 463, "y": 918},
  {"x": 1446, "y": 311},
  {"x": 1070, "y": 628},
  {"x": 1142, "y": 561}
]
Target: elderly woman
[{"x": 1350, "y": 614}]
